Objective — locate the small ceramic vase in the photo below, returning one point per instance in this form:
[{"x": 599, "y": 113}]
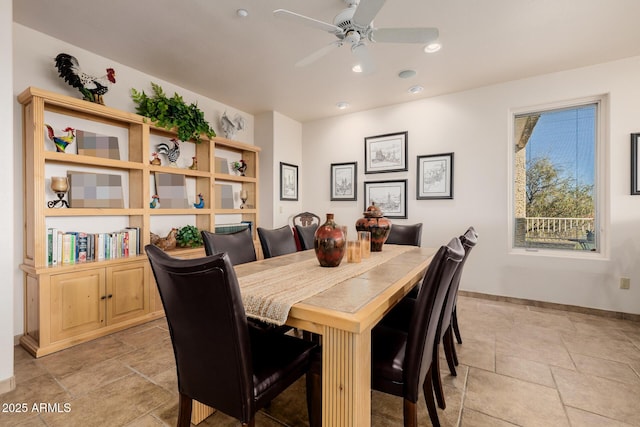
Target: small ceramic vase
[{"x": 377, "y": 225}]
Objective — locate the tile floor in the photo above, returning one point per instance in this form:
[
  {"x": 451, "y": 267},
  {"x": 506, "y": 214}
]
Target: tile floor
[{"x": 520, "y": 366}]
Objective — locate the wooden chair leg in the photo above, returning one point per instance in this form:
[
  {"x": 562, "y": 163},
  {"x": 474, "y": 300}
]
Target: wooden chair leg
[
  {"x": 184, "y": 410},
  {"x": 454, "y": 352},
  {"x": 410, "y": 413},
  {"x": 314, "y": 399},
  {"x": 454, "y": 323},
  {"x": 447, "y": 343},
  {"x": 427, "y": 388},
  {"x": 436, "y": 381}
]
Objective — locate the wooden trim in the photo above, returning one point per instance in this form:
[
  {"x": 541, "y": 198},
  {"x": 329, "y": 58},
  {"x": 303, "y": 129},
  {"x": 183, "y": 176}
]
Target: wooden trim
[
  {"x": 8, "y": 384},
  {"x": 553, "y": 305}
]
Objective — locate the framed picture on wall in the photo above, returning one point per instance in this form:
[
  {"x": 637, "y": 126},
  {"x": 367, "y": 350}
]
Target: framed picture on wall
[
  {"x": 344, "y": 181},
  {"x": 435, "y": 177},
  {"x": 389, "y": 196},
  {"x": 386, "y": 153},
  {"x": 288, "y": 181},
  {"x": 635, "y": 161}
]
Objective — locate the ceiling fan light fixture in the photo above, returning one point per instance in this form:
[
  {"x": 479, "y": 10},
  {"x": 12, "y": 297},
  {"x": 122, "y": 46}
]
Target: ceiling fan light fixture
[
  {"x": 432, "y": 47},
  {"x": 342, "y": 105},
  {"x": 415, "y": 89}
]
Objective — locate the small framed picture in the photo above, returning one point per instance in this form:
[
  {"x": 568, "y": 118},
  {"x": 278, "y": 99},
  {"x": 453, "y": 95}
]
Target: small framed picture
[
  {"x": 389, "y": 196},
  {"x": 435, "y": 177},
  {"x": 386, "y": 153},
  {"x": 635, "y": 161},
  {"x": 344, "y": 181},
  {"x": 288, "y": 181}
]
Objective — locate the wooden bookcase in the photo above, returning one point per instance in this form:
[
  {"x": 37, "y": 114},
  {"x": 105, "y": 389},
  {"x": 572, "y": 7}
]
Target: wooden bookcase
[{"x": 73, "y": 303}]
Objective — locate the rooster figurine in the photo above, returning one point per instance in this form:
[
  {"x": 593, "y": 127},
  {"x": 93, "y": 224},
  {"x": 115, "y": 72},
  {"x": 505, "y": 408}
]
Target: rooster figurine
[
  {"x": 200, "y": 203},
  {"x": 61, "y": 142},
  {"x": 92, "y": 88},
  {"x": 172, "y": 153},
  {"x": 230, "y": 127},
  {"x": 154, "y": 201}
]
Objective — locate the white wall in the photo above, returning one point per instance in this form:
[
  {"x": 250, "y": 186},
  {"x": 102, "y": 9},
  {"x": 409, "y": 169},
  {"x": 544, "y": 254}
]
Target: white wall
[
  {"x": 288, "y": 149},
  {"x": 33, "y": 66},
  {"x": 474, "y": 125},
  {"x": 7, "y": 261}
]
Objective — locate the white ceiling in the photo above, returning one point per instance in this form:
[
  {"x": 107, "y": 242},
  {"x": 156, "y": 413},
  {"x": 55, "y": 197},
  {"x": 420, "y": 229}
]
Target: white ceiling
[{"x": 203, "y": 46}]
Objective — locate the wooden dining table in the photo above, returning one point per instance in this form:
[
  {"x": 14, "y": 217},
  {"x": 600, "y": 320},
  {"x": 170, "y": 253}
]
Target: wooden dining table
[{"x": 343, "y": 304}]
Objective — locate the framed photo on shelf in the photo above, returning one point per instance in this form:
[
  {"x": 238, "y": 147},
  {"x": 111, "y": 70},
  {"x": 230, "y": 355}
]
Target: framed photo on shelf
[
  {"x": 389, "y": 196},
  {"x": 172, "y": 190},
  {"x": 344, "y": 181},
  {"x": 288, "y": 181},
  {"x": 435, "y": 177},
  {"x": 386, "y": 153},
  {"x": 635, "y": 161}
]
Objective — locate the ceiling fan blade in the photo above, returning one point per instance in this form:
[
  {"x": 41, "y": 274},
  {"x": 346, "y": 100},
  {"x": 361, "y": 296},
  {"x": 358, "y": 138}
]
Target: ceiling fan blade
[
  {"x": 363, "y": 59},
  {"x": 305, "y": 20},
  {"x": 404, "y": 35},
  {"x": 318, "y": 54},
  {"x": 366, "y": 11}
]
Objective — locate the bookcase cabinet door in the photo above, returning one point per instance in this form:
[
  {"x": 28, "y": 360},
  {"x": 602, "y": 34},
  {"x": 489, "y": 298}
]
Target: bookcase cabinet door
[
  {"x": 77, "y": 303},
  {"x": 127, "y": 292}
]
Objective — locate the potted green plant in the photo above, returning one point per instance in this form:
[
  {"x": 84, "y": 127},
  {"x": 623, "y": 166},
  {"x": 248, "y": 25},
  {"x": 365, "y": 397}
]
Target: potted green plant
[
  {"x": 189, "y": 237},
  {"x": 171, "y": 113}
]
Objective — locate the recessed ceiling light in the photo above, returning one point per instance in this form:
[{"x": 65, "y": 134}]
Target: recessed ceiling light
[
  {"x": 416, "y": 89},
  {"x": 432, "y": 47},
  {"x": 405, "y": 74},
  {"x": 342, "y": 105},
  {"x": 356, "y": 68},
  {"x": 242, "y": 13}
]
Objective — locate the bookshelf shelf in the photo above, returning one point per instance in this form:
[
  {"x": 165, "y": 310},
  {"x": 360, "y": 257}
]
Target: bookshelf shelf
[{"x": 63, "y": 304}]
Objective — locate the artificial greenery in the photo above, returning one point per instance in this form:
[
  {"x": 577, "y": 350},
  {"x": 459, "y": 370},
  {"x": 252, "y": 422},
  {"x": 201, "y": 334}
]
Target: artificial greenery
[
  {"x": 172, "y": 113},
  {"x": 189, "y": 236}
]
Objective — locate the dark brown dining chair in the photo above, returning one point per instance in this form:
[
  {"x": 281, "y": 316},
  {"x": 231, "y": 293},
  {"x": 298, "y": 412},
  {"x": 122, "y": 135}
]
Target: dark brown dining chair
[
  {"x": 445, "y": 335},
  {"x": 220, "y": 361},
  {"x": 405, "y": 234},
  {"x": 304, "y": 226},
  {"x": 306, "y": 236},
  {"x": 454, "y": 314},
  {"x": 277, "y": 242},
  {"x": 402, "y": 360},
  {"x": 239, "y": 245}
]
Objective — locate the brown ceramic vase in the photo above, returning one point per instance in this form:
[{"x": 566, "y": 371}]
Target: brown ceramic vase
[
  {"x": 330, "y": 243},
  {"x": 377, "y": 225}
]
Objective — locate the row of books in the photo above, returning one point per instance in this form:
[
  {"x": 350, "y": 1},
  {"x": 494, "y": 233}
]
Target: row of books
[{"x": 73, "y": 247}]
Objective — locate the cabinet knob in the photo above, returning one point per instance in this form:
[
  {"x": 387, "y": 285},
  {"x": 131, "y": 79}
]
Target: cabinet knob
[
  {"x": 110, "y": 296},
  {"x": 103, "y": 297}
]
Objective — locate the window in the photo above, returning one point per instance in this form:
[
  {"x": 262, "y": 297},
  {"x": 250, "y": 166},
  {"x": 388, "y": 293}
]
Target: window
[{"x": 556, "y": 189}]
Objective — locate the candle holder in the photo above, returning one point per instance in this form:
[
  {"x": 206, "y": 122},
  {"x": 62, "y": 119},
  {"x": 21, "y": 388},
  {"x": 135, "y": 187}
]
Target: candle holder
[
  {"x": 60, "y": 186},
  {"x": 244, "y": 196}
]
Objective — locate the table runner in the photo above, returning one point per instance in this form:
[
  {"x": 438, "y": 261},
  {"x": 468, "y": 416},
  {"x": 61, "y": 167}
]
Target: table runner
[{"x": 269, "y": 295}]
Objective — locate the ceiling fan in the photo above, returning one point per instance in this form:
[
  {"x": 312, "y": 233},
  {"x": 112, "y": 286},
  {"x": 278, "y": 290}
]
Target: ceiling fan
[{"x": 354, "y": 26}]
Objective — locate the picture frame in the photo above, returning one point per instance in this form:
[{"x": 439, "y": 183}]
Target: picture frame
[
  {"x": 288, "y": 181},
  {"x": 435, "y": 177},
  {"x": 389, "y": 196},
  {"x": 172, "y": 190},
  {"x": 97, "y": 145},
  {"x": 95, "y": 190},
  {"x": 386, "y": 153},
  {"x": 635, "y": 161},
  {"x": 344, "y": 181}
]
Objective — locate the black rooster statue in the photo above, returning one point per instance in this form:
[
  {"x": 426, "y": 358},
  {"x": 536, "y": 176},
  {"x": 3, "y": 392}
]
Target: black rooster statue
[
  {"x": 91, "y": 87},
  {"x": 172, "y": 153}
]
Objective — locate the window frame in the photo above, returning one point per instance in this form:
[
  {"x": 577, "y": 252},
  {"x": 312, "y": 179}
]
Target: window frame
[{"x": 601, "y": 178}]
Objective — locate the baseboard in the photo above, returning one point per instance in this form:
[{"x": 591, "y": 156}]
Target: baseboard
[
  {"x": 553, "y": 306},
  {"x": 16, "y": 340},
  {"x": 7, "y": 385}
]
